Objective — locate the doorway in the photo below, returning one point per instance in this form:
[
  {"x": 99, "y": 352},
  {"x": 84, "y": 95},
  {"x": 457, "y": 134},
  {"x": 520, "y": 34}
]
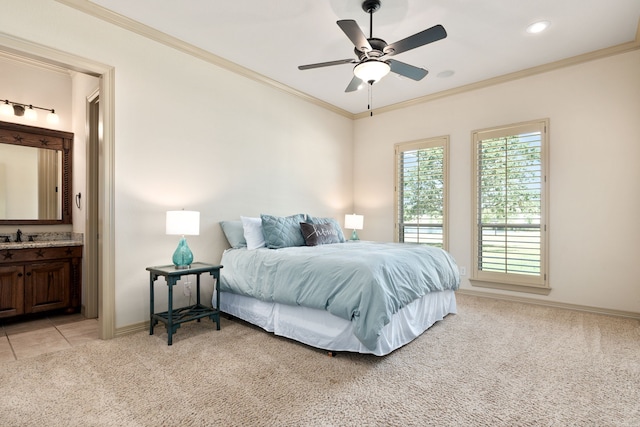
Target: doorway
[{"x": 101, "y": 252}]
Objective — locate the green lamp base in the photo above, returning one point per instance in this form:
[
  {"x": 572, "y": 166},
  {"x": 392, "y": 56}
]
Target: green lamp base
[{"x": 182, "y": 257}]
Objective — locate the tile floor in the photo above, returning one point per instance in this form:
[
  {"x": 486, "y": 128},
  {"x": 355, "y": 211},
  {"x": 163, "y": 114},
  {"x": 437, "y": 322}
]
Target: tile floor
[{"x": 34, "y": 337}]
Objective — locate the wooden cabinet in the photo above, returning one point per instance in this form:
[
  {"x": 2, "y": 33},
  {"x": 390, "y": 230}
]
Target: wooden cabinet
[
  {"x": 11, "y": 290},
  {"x": 34, "y": 280}
]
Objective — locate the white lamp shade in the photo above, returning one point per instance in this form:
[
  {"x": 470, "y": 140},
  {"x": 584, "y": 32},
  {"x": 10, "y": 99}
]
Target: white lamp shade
[
  {"x": 371, "y": 70},
  {"x": 353, "y": 222},
  {"x": 186, "y": 223}
]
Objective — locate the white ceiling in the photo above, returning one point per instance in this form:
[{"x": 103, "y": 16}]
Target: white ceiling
[{"x": 486, "y": 38}]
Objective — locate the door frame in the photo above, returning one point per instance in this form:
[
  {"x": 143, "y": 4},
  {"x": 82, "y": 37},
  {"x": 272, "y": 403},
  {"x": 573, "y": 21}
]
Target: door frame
[
  {"x": 105, "y": 257},
  {"x": 92, "y": 219}
]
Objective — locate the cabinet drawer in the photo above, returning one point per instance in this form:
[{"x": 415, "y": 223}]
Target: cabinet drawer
[{"x": 39, "y": 254}]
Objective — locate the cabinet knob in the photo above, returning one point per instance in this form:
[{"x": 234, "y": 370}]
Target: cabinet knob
[
  {"x": 19, "y": 274},
  {"x": 29, "y": 274}
]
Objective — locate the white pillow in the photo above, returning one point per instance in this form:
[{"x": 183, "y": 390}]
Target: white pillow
[{"x": 253, "y": 232}]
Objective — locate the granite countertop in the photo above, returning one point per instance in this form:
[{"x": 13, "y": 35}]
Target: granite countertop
[
  {"x": 40, "y": 244},
  {"x": 43, "y": 240}
]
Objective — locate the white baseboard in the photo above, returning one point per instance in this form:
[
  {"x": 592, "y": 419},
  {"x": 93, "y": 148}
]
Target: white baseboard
[
  {"x": 132, "y": 329},
  {"x": 576, "y": 307},
  {"x": 144, "y": 326}
]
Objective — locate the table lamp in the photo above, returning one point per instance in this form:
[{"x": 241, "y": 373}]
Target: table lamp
[
  {"x": 354, "y": 222},
  {"x": 184, "y": 223}
]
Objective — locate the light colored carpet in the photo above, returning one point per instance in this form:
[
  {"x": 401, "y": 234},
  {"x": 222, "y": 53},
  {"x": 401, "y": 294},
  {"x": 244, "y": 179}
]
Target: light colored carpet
[{"x": 495, "y": 363}]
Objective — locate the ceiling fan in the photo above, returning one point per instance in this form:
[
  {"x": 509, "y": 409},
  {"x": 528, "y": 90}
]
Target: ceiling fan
[{"x": 373, "y": 54}]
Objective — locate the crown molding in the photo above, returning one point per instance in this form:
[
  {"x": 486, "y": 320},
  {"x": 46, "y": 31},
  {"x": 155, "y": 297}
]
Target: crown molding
[
  {"x": 579, "y": 59},
  {"x": 121, "y": 21},
  {"x": 170, "y": 41}
]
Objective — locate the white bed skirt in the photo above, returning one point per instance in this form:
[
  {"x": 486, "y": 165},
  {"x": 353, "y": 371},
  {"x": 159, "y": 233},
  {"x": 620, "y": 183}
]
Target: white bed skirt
[{"x": 321, "y": 329}]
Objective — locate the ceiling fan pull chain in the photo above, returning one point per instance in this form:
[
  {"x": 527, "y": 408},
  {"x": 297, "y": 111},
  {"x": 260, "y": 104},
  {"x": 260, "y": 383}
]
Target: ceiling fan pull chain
[{"x": 370, "y": 104}]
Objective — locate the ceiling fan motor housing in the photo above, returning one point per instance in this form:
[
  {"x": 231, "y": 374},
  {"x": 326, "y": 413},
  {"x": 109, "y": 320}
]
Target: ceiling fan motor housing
[{"x": 378, "y": 47}]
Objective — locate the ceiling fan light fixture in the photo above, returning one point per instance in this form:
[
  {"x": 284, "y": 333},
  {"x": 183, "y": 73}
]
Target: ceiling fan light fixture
[{"x": 371, "y": 71}]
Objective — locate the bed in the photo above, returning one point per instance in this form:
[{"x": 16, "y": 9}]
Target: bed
[{"x": 329, "y": 293}]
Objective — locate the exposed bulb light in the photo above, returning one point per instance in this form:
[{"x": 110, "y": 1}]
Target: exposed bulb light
[
  {"x": 27, "y": 111},
  {"x": 6, "y": 109},
  {"x": 538, "y": 27},
  {"x": 371, "y": 70},
  {"x": 30, "y": 114},
  {"x": 52, "y": 117}
]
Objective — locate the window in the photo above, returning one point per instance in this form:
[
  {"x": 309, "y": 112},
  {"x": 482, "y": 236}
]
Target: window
[
  {"x": 509, "y": 204},
  {"x": 421, "y": 192}
]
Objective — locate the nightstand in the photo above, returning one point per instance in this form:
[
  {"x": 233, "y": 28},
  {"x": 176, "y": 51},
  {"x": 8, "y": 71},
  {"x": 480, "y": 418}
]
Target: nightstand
[{"x": 173, "y": 318}]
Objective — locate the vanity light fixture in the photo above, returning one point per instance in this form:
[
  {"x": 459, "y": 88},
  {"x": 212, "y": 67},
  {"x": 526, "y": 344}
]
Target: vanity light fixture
[
  {"x": 27, "y": 111},
  {"x": 184, "y": 223}
]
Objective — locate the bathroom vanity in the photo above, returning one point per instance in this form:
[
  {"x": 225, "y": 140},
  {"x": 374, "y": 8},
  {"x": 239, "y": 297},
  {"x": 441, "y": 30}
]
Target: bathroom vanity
[
  {"x": 40, "y": 276},
  {"x": 40, "y": 271}
]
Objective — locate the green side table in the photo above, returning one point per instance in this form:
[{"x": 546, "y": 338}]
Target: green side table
[{"x": 173, "y": 318}]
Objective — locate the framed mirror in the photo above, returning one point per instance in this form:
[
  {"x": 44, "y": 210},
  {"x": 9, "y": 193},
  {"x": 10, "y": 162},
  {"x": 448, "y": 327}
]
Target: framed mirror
[{"x": 35, "y": 175}]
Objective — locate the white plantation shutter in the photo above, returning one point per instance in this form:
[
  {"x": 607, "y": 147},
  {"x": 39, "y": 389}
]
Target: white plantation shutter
[
  {"x": 421, "y": 192},
  {"x": 510, "y": 183}
]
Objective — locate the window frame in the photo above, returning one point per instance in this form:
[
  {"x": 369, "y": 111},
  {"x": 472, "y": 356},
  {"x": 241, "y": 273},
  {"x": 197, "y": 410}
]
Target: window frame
[
  {"x": 505, "y": 280},
  {"x": 435, "y": 142}
]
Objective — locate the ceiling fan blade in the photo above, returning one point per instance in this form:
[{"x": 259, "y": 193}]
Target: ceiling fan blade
[
  {"x": 407, "y": 70},
  {"x": 354, "y": 84},
  {"x": 427, "y": 36},
  {"x": 327, "y": 64},
  {"x": 355, "y": 34}
]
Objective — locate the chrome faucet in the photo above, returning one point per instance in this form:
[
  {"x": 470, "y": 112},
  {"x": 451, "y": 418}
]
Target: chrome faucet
[{"x": 19, "y": 236}]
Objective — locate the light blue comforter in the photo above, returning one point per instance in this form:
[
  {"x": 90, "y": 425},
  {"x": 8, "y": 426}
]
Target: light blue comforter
[{"x": 363, "y": 282}]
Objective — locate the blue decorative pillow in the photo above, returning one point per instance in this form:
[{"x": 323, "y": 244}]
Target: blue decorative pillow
[
  {"x": 282, "y": 232},
  {"x": 234, "y": 232},
  {"x": 319, "y": 234},
  {"x": 318, "y": 220}
]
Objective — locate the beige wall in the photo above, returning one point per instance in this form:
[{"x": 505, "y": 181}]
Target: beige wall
[
  {"x": 191, "y": 135},
  {"x": 594, "y": 111},
  {"x": 27, "y": 82}
]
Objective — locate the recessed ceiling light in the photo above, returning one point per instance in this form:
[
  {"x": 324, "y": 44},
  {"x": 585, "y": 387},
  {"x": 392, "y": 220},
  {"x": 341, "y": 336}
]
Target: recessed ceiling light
[
  {"x": 445, "y": 74},
  {"x": 538, "y": 27}
]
